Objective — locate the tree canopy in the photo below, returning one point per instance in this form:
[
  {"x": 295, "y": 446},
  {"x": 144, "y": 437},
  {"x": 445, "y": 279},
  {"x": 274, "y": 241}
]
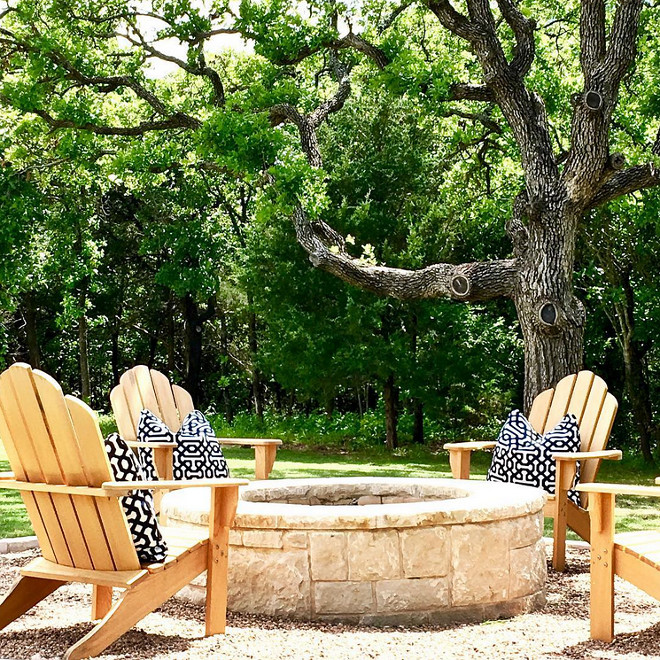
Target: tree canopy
[{"x": 421, "y": 151}]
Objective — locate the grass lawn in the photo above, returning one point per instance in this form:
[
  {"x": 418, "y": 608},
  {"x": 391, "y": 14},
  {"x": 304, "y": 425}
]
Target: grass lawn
[{"x": 632, "y": 513}]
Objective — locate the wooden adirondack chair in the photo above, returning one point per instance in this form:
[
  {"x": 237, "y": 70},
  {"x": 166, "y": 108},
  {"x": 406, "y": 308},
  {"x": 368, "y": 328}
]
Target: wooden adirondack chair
[
  {"x": 143, "y": 388},
  {"x": 586, "y": 396},
  {"x": 633, "y": 556},
  {"x": 59, "y": 464}
]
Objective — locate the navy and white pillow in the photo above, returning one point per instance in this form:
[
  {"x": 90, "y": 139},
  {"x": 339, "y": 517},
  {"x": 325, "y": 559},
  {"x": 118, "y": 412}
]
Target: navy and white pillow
[
  {"x": 151, "y": 429},
  {"x": 139, "y": 506},
  {"x": 197, "y": 454},
  {"x": 524, "y": 456}
]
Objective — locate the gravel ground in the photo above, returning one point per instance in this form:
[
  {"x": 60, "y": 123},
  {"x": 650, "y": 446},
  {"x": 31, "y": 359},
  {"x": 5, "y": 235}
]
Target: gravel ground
[{"x": 560, "y": 630}]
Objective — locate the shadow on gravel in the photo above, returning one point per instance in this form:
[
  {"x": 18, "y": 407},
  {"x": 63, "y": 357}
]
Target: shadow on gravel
[
  {"x": 645, "y": 643},
  {"x": 50, "y": 642}
]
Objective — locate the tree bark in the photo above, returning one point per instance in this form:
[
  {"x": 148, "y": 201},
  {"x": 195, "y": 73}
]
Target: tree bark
[
  {"x": 391, "y": 396},
  {"x": 551, "y": 317}
]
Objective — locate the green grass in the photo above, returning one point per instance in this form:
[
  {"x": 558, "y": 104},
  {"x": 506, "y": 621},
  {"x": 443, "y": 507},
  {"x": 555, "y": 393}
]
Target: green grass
[{"x": 632, "y": 513}]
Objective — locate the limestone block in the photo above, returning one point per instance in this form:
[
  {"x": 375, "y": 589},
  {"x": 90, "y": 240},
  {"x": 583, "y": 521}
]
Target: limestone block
[
  {"x": 271, "y": 582},
  {"x": 257, "y": 538},
  {"x": 526, "y": 530},
  {"x": 480, "y": 563},
  {"x": 425, "y": 551},
  {"x": 369, "y": 499},
  {"x": 407, "y": 595},
  {"x": 343, "y": 597},
  {"x": 328, "y": 556},
  {"x": 528, "y": 570},
  {"x": 295, "y": 540},
  {"x": 235, "y": 537},
  {"x": 373, "y": 555}
]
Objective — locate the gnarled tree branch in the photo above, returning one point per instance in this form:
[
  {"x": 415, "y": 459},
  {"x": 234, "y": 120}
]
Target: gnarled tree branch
[{"x": 479, "y": 280}]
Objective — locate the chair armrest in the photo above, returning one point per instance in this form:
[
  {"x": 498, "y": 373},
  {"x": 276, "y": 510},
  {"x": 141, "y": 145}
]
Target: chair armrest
[
  {"x": 7, "y": 475},
  {"x": 460, "y": 456},
  {"x": 476, "y": 445},
  {"x": 250, "y": 442},
  {"x": 57, "y": 489},
  {"x": 122, "y": 487},
  {"x": 620, "y": 489},
  {"x": 608, "y": 454},
  {"x": 151, "y": 445}
]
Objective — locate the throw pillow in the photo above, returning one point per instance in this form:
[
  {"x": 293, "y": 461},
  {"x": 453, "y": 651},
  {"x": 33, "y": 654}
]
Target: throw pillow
[
  {"x": 139, "y": 506},
  {"x": 524, "y": 456},
  {"x": 151, "y": 429},
  {"x": 197, "y": 454}
]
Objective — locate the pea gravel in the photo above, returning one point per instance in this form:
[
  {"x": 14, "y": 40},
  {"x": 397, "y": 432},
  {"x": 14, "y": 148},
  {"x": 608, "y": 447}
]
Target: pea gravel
[{"x": 174, "y": 632}]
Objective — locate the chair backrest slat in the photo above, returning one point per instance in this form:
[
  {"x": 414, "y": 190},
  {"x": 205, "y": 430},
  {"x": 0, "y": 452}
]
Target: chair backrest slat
[
  {"x": 560, "y": 401},
  {"x": 540, "y": 408},
  {"x": 580, "y": 395},
  {"x": 146, "y": 389},
  {"x": 166, "y": 404},
  {"x": 184, "y": 401},
  {"x": 58, "y": 441},
  {"x": 122, "y": 412},
  {"x": 599, "y": 441},
  {"x": 592, "y": 415}
]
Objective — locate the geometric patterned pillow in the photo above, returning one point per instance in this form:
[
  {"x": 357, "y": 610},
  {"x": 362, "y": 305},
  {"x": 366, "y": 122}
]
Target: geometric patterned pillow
[
  {"x": 138, "y": 506},
  {"x": 151, "y": 429},
  {"x": 524, "y": 456},
  {"x": 197, "y": 454}
]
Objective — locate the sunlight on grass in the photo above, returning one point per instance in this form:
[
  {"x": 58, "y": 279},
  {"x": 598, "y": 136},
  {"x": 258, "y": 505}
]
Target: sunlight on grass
[{"x": 632, "y": 513}]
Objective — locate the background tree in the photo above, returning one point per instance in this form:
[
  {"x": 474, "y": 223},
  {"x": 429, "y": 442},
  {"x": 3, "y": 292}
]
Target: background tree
[{"x": 529, "y": 108}]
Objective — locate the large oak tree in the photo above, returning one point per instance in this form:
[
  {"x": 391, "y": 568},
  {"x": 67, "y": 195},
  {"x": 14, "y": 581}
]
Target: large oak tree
[{"x": 85, "y": 66}]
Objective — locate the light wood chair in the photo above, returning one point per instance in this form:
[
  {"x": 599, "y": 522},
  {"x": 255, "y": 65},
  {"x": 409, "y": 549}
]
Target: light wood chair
[
  {"x": 143, "y": 388},
  {"x": 59, "y": 465},
  {"x": 586, "y": 396},
  {"x": 633, "y": 556}
]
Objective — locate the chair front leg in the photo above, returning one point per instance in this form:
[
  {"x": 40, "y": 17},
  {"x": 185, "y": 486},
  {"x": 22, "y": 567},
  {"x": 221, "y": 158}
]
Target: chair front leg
[{"x": 563, "y": 482}]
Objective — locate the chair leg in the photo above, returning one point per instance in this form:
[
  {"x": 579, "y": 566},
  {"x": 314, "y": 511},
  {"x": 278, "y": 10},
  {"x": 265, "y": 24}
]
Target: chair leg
[
  {"x": 101, "y": 601},
  {"x": 563, "y": 481},
  {"x": 221, "y": 517},
  {"x": 138, "y": 601},
  {"x": 264, "y": 458},
  {"x": 601, "y": 507},
  {"x": 23, "y": 596}
]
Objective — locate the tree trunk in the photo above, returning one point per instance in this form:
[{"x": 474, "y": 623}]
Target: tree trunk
[
  {"x": 418, "y": 421},
  {"x": 640, "y": 399},
  {"x": 31, "y": 334},
  {"x": 170, "y": 336},
  {"x": 637, "y": 385},
  {"x": 193, "y": 346},
  {"x": 551, "y": 317},
  {"x": 114, "y": 354},
  {"x": 257, "y": 383},
  {"x": 391, "y": 396},
  {"x": 224, "y": 367},
  {"x": 83, "y": 350}
]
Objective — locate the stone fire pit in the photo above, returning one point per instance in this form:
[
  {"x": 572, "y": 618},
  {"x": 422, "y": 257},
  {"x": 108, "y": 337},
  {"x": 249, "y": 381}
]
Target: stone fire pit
[{"x": 379, "y": 551}]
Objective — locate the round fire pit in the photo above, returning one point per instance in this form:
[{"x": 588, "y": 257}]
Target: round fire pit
[{"x": 379, "y": 551}]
